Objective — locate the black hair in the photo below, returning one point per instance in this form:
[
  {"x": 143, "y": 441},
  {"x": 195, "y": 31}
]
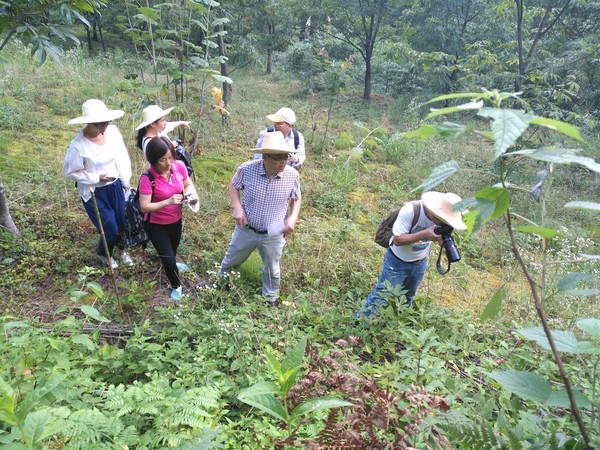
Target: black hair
[
  {"x": 158, "y": 147},
  {"x": 140, "y": 137}
]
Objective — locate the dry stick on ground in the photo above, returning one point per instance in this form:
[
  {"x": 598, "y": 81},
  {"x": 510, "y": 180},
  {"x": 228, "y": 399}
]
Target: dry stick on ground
[{"x": 108, "y": 257}]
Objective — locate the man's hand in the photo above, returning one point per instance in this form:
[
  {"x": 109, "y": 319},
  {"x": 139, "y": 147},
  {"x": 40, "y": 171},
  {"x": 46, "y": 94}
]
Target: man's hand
[
  {"x": 239, "y": 215},
  {"x": 294, "y": 159}
]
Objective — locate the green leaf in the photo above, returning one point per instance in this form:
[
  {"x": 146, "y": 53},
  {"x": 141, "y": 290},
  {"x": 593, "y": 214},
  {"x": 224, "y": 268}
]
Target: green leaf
[
  {"x": 261, "y": 388},
  {"x": 561, "y": 127},
  {"x": 507, "y": 125},
  {"x": 587, "y": 348},
  {"x": 526, "y": 385},
  {"x": 565, "y": 341},
  {"x": 92, "y": 312},
  {"x": 489, "y": 203},
  {"x": 588, "y": 206},
  {"x": 560, "y": 156},
  {"x": 293, "y": 359},
  {"x": 33, "y": 427},
  {"x": 148, "y": 13},
  {"x": 273, "y": 362},
  {"x": 547, "y": 233},
  {"x": 16, "y": 324},
  {"x": 96, "y": 289},
  {"x": 441, "y": 98},
  {"x": 452, "y": 109},
  {"x": 315, "y": 404},
  {"x": 84, "y": 340},
  {"x": 423, "y": 132},
  {"x": 590, "y": 326},
  {"x": 261, "y": 396},
  {"x": 568, "y": 284},
  {"x": 449, "y": 130},
  {"x": 438, "y": 175},
  {"x": 560, "y": 399},
  {"x": 494, "y": 306}
]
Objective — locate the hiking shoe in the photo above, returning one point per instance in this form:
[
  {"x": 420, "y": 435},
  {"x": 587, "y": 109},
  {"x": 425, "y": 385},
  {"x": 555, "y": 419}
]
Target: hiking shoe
[
  {"x": 104, "y": 261},
  {"x": 182, "y": 266},
  {"x": 273, "y": 303},
  {"x": 126, "y": 259},
  {"x": 176, "y": 294}
]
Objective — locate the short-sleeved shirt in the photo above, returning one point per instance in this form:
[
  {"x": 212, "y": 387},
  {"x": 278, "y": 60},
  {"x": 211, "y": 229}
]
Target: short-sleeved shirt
[
  {"x": 164, "y": 189},
  {"x": 417, "y": 250},
  {"x": 265, "y": 200}
]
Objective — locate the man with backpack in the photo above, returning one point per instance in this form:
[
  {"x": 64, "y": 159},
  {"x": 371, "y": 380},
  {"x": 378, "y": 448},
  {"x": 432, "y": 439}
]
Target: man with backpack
[
  {"x": 284, "y": 120},
  {"x": 413, "y": 232}
]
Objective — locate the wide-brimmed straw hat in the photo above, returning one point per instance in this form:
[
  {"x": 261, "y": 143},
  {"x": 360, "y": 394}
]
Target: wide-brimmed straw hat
[
  {"x": 151, "y": 114},
  {"x": 273, "y": 144},
  {"x": 95, "y": 111},
  {"x": 283, "y": 115},
  {"x": 441, "y": 206}
]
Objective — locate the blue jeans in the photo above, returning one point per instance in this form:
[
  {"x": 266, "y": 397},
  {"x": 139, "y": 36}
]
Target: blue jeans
[
  {"x": 243, "y": 242},
  {"x": 111, "y": 207},
  {"x": 397, "y": 274}
]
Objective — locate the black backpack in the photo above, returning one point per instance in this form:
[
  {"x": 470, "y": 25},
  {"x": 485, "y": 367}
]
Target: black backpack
[
  {"x": 383, "y": 235},
  {"x": 184, "y": 156},
  {"x": 134, "y": 233},
  {"x": 294, "y": 132}
]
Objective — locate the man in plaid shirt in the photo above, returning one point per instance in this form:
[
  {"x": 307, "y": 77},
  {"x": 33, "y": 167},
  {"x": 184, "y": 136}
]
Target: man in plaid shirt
[{"x": 262, "y": 191}]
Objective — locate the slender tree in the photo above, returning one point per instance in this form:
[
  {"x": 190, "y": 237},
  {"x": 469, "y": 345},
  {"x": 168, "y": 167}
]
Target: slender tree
[{"x": 359, "y": 24}]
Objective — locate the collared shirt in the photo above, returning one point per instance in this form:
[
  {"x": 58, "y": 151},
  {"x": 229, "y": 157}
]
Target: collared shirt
[
  {"x": 265, "y": 200},
  {"x": 300, "y": 152}
]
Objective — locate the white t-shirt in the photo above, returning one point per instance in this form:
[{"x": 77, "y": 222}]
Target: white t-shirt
[{"x": 417, "y": 250}]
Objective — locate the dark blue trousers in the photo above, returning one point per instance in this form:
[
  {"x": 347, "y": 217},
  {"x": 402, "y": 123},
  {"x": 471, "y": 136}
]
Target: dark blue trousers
[{"x": 111, "y": 206}]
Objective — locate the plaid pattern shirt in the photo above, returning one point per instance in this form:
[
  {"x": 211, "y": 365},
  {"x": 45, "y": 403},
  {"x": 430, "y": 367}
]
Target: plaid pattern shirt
[{"x": 265, "y": 200}]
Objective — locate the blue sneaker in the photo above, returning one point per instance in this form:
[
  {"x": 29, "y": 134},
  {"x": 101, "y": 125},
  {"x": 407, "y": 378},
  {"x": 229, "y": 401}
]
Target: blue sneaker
[
  {"x": 176, "y": 294},
  {"x": 181, "y": 266}
]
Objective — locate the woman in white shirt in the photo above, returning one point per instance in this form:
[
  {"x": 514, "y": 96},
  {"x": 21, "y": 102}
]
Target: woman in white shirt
[
  {"x": 154, "y": 123},
  {"x": 98, "y": 161}
]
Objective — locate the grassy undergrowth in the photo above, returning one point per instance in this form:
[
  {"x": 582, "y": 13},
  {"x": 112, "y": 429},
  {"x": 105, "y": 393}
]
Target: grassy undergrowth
[{"x": 175, "y": 381}]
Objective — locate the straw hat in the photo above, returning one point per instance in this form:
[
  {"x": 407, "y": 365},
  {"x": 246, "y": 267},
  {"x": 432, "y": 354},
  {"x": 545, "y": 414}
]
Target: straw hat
[
  {"x": 151, "y": 114},
  {"x": 283, "y": 115},
  {"x": 273, "y": 144},
  {"x": 441, "y": 206},
  {"x": 95, "y": 111}
]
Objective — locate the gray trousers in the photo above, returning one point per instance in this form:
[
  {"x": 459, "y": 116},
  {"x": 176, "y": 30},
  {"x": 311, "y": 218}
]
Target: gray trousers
[{"x": 243, "y": 242}]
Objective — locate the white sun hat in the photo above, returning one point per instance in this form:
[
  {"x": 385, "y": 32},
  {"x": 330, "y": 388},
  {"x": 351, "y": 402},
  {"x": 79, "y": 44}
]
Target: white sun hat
[
  {"x": 151, "y": 114},
  {"x": 95, "y": 111},
  {"x": 273, "y": 144},
  {"x": 283, "y": 115},
  {"x": 441, "y": 206}
]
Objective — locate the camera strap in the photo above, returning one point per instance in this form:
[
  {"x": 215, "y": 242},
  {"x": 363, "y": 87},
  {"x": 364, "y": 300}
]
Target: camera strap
[{"x": 438, "y": 264}]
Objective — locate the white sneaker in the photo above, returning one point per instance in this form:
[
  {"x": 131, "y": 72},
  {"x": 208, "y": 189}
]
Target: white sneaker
[
  {"x": 104, "y": 261},
  {"x": 126, "y": 259}
]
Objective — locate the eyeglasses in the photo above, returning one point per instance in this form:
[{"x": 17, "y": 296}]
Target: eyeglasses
[
  {"x": 278, "y": 157},
  {"x": 101, "y": 124}
]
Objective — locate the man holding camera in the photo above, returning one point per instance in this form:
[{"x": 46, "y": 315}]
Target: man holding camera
[{"x": 405, "y": 262}]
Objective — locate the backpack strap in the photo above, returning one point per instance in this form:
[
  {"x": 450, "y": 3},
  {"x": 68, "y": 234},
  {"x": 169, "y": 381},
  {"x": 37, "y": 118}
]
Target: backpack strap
[
  {"x": 416, "y": 204},
  {"x": 151, "y": 178}
]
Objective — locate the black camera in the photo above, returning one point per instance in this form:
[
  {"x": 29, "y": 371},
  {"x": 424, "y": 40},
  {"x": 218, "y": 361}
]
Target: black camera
[{"x": 448, "y": 242}]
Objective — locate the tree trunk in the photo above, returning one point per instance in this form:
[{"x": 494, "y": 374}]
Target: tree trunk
[
  {"x": 6, "y": 221},
  {"x": 224, "y": 66},
  {"x": 367, "y": 91}
]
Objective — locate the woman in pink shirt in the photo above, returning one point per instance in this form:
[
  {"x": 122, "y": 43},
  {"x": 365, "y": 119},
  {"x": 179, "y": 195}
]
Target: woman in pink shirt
[{"x": 163, "y": 204}]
